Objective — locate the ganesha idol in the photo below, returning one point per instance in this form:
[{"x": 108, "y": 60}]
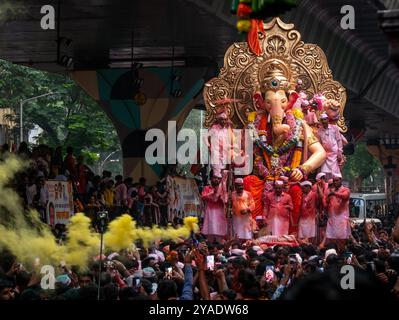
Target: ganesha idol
[
  {"x": 284, "y": 144},
  {"x": 269, "y": 104}
]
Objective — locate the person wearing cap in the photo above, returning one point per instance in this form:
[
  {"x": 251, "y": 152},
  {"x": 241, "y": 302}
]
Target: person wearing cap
[
  {"x": 261, "y": 227},
  {"x": 219, "y": 139},
  {"x": 336, "y": 201},
  {"x": 243, "y": 205},
  {"x": 277, "y": 210},
  {"x": 330, "y": 252},
  {"x": 331, "y": 140},
  {"x": 307, "y": 219},
  {"x": 308, "y": 109},
  {"x": 320, "y": 188},
  {"x": 321, "y": 183},
  {"x": 330, "y": 185},
  {"x": 215, "y": 221},
  {"x": 286, "y": 184},
  {"x": 149, "y": 273}
]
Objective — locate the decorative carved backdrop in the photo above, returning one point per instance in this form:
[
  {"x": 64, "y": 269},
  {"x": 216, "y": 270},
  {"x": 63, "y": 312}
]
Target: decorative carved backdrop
[{"x": 242, "y": 72}]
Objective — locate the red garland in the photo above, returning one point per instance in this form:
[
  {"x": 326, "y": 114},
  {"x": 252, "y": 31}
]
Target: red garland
[
  {"x": 292, "y": 99},
  {"x": 296, "y": 195},
  {"x": 243, "y": 10},
  {"x": 253, "y": 37}
]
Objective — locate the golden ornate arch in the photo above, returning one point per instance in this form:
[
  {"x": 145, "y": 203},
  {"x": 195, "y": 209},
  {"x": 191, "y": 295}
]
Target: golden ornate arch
[{"x": 240, "y": 76}]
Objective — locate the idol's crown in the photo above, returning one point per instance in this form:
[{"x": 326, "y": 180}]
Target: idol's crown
[{"x": 274, "y": 76}]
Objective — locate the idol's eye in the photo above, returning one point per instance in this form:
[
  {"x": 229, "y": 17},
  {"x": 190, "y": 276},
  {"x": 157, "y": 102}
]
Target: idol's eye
[{"x": 283, "y": 100}]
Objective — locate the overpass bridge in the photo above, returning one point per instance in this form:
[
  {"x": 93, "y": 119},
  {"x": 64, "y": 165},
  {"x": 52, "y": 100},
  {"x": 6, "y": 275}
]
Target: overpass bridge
[{"x": 145, "y": 62}]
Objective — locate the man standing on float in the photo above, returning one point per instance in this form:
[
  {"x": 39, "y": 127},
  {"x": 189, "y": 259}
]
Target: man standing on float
[{"x": 278, "y": 208}]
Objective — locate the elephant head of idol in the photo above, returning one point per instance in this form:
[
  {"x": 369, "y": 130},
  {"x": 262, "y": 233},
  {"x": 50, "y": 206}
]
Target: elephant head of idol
[{"x": 276, "y": 93}]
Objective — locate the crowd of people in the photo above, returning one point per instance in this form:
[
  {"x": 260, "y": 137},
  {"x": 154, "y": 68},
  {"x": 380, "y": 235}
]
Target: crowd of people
[
  {"x": 212, "y": 264},
  {"x": 92, "y": 193},
  {"x": 196, "y": 269},
  {"x": 315, "y": 212}
]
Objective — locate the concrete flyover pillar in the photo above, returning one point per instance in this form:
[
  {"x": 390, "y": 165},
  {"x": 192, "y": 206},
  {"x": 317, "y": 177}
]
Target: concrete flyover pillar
[{"x": 139, "y": 99}]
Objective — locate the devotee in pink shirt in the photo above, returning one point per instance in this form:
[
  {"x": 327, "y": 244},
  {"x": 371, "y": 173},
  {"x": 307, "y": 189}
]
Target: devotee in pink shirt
[
  {"x": 243, "y": 205},
  {"x": 215, "y": 221},
  {"x": 336, "y": 201},
  {"x": 277, "y": 210},
  {"x": 307, "y": 219}
]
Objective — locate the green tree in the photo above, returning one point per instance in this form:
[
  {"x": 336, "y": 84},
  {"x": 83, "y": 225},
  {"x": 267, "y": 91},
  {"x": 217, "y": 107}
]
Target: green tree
[
  {"x": 194, "y": 122},
  {"x": 69, "y": 117},
  {"x": 362, "y": 168},
  {"x": 9, "y": 10}
]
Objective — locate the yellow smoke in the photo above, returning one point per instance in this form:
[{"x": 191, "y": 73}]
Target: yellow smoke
[
  {"x": 29, "y": 239},
  {"x": 123, "y": 232},
  {"x": 82, "y": 243},
  {"x": 9, "y": 199}
]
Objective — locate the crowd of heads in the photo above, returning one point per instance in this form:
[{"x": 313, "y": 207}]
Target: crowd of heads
[
  {"x": 194, "y": 268},
  {"x": 92, "y": 193}
]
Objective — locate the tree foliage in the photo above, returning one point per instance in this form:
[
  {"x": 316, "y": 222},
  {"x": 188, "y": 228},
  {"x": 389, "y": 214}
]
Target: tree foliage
[
  {"x": 69, "y": 117},
  {"x": 361, "y": 166},
  {"x": 9, "y": 10}
]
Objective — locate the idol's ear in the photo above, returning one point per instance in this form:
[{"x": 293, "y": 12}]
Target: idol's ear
[
  {"x": 292, "y": 98},
  {"x": 259, "y": 102}
]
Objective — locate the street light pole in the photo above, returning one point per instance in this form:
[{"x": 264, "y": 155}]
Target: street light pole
[
  {"x": 21, "y": 111},
  {"x": 21, "y": 130}
]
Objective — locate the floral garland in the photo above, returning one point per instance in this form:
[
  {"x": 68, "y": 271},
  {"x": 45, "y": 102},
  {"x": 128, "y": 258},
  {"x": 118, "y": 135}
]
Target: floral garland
[
  {"x": 285, "y": 147},
  {"x": 276, "y": 156}
]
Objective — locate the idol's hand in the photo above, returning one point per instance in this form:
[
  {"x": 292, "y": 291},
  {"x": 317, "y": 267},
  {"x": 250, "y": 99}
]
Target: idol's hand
[{"x": 296, "y": 175}]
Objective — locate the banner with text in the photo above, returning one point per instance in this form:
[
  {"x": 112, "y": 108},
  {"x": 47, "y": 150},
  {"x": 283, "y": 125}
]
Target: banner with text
[
  {"x": 60, "y": 203},
  {"x": 184, "y": 197}
]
